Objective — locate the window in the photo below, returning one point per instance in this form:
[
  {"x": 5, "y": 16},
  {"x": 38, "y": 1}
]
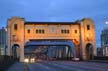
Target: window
[
  {"x": 62, "y": 31},
  {"x": 36, "y": 31},
  {"x": 15, "y": 27},
  {"x": 75, "y": 31},
  {"x": 68, "y": 31},
  {"x": 40, "y": 31},
  {"x": 88, "y": 27},
  {"x": 28, "y": 31},
  {"x": 65, "y": 31},
  {"x": 43, "y": 31}
]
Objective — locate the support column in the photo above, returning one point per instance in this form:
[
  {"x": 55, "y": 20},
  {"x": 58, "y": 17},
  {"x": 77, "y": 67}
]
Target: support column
[
  {"x": 22, "y": 53},
  {"x": 82, "y": 45},
  {"x": 77, "y": 51},
  {"x": 57, "y": 53},
  {"x": 60, "y": 53},
  {"x": 106, "y": 51},
  {"x": 64, "y": 53},
  {"x": 67, "y": 52}
]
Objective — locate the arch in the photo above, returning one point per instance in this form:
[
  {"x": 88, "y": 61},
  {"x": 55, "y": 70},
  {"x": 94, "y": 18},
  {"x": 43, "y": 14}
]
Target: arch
[
  {"x": 16, "y": 51},
  {"x": 62, "y": 52},
  {"x": 89, "y": 51},
  {"x": 56, "y": 48}
]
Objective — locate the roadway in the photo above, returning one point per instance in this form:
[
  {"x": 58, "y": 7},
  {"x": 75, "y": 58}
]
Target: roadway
[{"x": 60, "y": 66}]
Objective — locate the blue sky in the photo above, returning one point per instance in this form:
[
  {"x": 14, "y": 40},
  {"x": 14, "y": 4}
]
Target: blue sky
[{"x": 56, "y": 10}]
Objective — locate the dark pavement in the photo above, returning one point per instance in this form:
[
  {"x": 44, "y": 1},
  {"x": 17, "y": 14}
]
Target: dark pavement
[
  {"x": 18, "y": 66},
  {"x": 60, "y": 66}
]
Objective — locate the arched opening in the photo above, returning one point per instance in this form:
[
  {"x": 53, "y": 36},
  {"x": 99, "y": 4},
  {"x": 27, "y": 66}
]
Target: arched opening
[
  {"x": 49, "y": 50},
  {"x": 62, "y": 52},
  {"x": 16, "y": 51},
  {"x": 89, "y": 51},
  {"x": 52, "y": 52}
]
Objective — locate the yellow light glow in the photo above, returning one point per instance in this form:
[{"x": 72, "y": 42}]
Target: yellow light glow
[
  {"x": 32, "y": 60},
  {"x": 26, "y": 60},
  {"x": 87, "y": 35}
]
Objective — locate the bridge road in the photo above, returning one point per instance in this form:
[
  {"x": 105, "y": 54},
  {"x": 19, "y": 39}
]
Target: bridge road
[{"x": 60, "y": 66}]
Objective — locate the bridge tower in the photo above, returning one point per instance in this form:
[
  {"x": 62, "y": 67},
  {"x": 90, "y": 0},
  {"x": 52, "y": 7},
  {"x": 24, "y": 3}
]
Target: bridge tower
[
  {"x": 15, "y": 29},
  {"x": 81, "y": 33},
  {"x": 87, "y": 39}
]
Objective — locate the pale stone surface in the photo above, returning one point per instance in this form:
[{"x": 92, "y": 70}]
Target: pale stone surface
[{"x": 52, "y": 31}]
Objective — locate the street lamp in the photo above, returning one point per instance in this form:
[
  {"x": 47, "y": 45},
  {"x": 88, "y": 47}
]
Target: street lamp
[
  {"x": 106, "y": 25},
  {"x": 106, "y": 22}
]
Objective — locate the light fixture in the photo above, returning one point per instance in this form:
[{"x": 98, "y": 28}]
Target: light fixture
[
  {"x": 32, "y": 60},
  {"x": 88, "y": 36},
  {"x": 26, "y": 60},
  {"x": 106, "y": 22}
]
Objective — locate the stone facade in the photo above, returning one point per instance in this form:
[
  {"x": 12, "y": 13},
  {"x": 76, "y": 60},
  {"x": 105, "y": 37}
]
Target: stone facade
[{"x": 81, "y": 33}]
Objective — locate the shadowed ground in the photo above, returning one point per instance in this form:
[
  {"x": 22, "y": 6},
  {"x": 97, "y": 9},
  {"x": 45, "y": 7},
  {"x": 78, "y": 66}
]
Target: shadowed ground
[{"x": 59, "y": 66}]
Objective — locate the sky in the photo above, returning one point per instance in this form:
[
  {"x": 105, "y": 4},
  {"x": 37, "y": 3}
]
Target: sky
[{"x": 56, "y": 11}]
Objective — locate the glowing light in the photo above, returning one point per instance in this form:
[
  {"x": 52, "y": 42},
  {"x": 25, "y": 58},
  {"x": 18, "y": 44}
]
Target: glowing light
[
  {"x": 26, "y": 60},
  {"x": 106, "y": 22},
  {"x": 32, "y": 60},
  {"x": 6, "y": 29},
  {"x": 87, "y": 35}
]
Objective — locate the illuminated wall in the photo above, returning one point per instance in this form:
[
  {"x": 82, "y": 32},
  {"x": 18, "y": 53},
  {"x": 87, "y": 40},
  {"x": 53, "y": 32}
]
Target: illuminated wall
[{"x": 80, "y": 33}]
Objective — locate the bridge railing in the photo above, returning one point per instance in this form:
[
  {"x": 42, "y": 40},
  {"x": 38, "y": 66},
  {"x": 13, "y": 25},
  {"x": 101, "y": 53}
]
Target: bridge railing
[
  {"x": 101, "y": 58},
  {"x": 6, "y": 61}
]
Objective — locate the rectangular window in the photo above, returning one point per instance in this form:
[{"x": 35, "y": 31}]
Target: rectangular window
[
  {"x": 68, "y": 31},
  {"x": 43, "y": 31},
  {"x": 36, "y": 31},
  {"x": 40, "y": 31},
  {"x": 75, "y": 31},
  {"x": 15, "y": 27},
  {"x": 88, "y": 27},
  {"x": 64, "y": 31},
  {"x": 28, "y": 31}
]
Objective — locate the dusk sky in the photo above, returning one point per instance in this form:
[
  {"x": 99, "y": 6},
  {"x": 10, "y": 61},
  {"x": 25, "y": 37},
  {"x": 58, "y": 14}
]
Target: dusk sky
[{"x": 56, "y": 10}]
